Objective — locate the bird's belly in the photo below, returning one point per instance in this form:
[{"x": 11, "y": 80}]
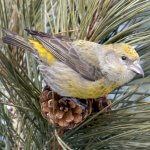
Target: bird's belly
[
  {"x": 90, "y": 90},
  {"x": 67, "y": 82}
]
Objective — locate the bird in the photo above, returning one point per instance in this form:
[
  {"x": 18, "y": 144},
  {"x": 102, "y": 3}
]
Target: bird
[{"x": 79, "y": 68}]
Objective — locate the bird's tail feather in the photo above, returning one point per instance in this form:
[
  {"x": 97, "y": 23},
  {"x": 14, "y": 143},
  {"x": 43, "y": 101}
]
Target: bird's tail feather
[{"x": 16, "y": 40}]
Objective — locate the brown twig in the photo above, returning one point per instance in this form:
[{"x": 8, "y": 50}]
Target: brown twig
[{"x": 74, "y": 30}]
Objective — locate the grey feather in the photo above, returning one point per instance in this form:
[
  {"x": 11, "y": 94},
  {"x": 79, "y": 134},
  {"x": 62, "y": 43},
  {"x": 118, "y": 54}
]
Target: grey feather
[
  {"x": 16, "y": 40},
  {"x": 62, "y": 48}
]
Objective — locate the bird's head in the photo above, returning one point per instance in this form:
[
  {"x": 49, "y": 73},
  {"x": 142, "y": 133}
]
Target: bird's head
[{"x": 120, "y": 63}]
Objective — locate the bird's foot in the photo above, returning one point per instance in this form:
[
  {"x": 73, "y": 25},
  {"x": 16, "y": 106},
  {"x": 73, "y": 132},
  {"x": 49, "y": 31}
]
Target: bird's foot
[
  {"x": 102, "y": 103},
  {"x": 73, "y": 101}
]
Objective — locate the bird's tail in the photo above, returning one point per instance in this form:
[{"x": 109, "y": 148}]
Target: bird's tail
[{"x": 16, "y": 40}]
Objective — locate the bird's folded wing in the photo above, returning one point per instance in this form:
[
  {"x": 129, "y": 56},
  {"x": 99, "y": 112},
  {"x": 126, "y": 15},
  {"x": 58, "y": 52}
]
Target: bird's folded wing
[{"x": 60, "y": 47}]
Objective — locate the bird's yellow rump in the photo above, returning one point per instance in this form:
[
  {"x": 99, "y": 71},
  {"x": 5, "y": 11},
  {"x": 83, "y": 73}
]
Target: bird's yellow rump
[
  {"x": 43, "y": 52},
  {"x": 79, "y": 68}
]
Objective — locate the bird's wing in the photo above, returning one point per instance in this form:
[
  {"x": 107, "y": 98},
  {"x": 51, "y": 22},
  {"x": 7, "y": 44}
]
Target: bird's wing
[{"x": 61, "y": 48}]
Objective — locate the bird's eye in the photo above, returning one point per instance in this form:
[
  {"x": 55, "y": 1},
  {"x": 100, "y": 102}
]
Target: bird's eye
[{"x": 123, "y": 57}]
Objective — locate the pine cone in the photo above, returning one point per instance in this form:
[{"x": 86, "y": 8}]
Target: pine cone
[
  {"x": 64, "y": 112},
  {"x": 69, "y": 112}
]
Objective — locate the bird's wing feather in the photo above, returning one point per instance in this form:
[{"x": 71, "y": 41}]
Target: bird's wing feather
[{"x": 61, "y": 47}]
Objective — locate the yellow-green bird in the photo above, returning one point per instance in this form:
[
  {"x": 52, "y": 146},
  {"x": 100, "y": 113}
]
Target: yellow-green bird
[{"x": 79, "y": 68}]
